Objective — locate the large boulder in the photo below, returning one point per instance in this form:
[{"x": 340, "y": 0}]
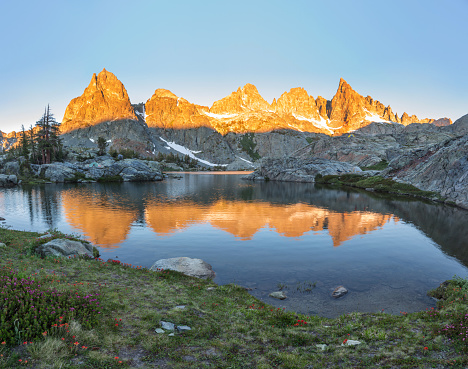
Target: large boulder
[
  {"x": 57, "y": 172},
  {"x": 63, "y": 247},
  {"x": 11, "y": 167},
  {"x": 300, "y": 170},
  {"x": 192, "y": 267},
  {"x": 8, "y": 180}
]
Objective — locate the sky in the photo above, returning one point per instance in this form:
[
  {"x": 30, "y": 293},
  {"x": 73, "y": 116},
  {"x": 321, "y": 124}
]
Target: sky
[{"x": 411, "y": 55}]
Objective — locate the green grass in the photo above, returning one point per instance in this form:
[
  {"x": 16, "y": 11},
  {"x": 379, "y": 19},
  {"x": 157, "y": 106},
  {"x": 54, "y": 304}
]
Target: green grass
[
  {"x": 230, "y": 328},
  {"x": 379, "y": 166}
]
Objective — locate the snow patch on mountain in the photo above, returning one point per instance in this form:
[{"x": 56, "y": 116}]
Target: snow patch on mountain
[
  {"x": 322, "y": 123},
  {"x": 190, "y": 153},
  {"x": 219, "y": 116}
]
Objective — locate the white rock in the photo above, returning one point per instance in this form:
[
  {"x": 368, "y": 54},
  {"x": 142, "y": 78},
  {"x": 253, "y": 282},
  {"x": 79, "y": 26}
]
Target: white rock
[
  {"x": 351, "y": 343},
  {"x": 192, "y": 267}
]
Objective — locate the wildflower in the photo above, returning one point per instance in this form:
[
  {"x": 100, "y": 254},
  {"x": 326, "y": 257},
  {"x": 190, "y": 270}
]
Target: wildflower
[
  {"x": 425, "y": 348},
  {"x": 344, "y": 342}
]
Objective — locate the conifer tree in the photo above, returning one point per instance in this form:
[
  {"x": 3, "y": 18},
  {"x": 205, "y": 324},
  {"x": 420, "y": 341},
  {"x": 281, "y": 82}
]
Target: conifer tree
[
  {"x": 24, "y": 143},
  {"x": 48, "y": 142}
]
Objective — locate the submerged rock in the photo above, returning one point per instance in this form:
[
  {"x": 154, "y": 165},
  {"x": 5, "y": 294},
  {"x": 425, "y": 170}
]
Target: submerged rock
[
  {"x": 192, "y": 267},
  {"x": 339, "y": 292},
  {"x": 278, "y": 295}
]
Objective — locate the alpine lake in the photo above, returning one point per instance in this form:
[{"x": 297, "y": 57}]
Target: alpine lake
[{"x": 301, "y": 238}]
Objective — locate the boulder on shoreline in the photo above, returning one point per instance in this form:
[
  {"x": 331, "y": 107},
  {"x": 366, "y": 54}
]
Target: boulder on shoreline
[
  {"x": 192, "y": 267},
  {"x": 64, "y": 247}
]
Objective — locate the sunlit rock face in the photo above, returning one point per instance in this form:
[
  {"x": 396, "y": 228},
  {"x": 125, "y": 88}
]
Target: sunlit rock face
[
  {"x": 105, "y": 99},
  {"x": 166, "y": 110}
]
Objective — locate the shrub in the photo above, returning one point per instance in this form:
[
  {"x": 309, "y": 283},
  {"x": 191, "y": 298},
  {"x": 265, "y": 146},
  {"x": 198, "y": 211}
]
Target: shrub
[
  {"x": 248, "y": 145},
  {"x": 29, "y": 310}
]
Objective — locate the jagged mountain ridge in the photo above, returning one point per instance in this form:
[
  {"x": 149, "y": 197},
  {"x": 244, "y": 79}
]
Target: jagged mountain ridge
[{"x": 244, "y": 110}]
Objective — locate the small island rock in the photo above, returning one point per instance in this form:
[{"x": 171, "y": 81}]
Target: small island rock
[{"x": 339, "y": 292}]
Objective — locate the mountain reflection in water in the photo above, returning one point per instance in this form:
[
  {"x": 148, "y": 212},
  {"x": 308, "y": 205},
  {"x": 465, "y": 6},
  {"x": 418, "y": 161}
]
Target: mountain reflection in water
[{"x": 107, "y": 224}]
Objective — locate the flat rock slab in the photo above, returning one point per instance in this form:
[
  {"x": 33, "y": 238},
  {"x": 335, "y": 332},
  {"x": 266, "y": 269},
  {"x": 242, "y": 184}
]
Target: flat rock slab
[
  {"x": 339, "y": 292},
  {"x": 192, "y": 267},
  {"x": 183, "y": 328},
  {"x": 64, "y": 247},
  {"x": 168, "y": 326}
]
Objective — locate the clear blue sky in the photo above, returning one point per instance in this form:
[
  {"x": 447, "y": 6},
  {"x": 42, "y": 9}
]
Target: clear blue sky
[{"x": 412, "y": 55}]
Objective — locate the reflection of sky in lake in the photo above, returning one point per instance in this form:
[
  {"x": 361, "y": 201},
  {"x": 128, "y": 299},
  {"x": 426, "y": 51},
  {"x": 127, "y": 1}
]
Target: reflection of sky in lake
[{"x": 262, "y": 234}]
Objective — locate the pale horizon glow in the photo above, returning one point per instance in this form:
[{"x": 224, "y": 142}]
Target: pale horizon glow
[{"x": 408, "y": 54}]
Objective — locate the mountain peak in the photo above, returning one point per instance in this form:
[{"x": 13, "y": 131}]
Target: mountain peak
[
  {"x": 105, "y": 99},
  {"x": 245, "y": 98}
]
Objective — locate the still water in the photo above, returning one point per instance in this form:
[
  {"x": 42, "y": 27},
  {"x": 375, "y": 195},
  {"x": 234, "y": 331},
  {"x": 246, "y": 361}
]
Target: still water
[{"x": 387, "y": 251}]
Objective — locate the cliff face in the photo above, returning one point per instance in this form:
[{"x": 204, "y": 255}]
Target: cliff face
[{"x": 105, "y": 99}]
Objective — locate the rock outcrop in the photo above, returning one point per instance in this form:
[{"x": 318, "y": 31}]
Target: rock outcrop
[
  {"x": 105, "y": 99},
  {"x": 130, "y": 170},
  {"x": 441, "y": 168},
  {"x": 299, "y": 170}
]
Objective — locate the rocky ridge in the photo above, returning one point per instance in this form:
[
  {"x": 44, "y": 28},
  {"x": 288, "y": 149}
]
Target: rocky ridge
[{"x": 244, "y": 110}]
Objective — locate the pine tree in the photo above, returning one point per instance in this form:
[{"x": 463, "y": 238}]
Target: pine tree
[
  {"x": 102, "y": 144},
  {"x": 48, "y": 142},
  {"x": 24, "y": 143}
]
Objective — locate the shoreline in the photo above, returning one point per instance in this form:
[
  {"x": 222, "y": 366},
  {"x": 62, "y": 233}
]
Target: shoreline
[{"x": 227, "y": 325}]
